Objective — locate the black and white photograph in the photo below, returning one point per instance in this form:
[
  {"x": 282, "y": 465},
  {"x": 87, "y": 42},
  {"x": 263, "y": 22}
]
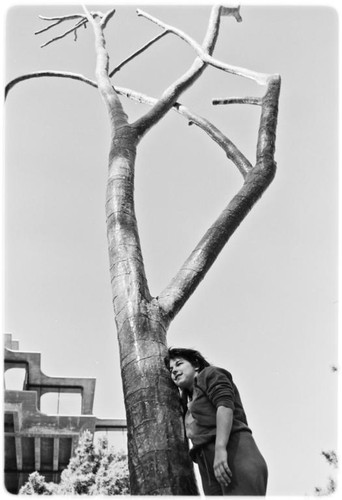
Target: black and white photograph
[{"x": 170, "y": 249}]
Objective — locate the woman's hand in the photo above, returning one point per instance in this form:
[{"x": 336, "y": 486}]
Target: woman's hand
[
  {"x": 224, "y": 422},
  {"x": 221, "y": 468}
]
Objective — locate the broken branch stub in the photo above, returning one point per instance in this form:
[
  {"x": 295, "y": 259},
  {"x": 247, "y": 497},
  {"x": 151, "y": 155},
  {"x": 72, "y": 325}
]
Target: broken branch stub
[
  {"x": 232, "y": 11},
  {"x": 107, "y": 17},
  {"x": 238, "y": 100}
]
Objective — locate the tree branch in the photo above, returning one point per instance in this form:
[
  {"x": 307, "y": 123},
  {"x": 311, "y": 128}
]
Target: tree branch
[
  {"x": 66, "y": 33},
  {"x": 238, "y": 100},
  {"x": 106, "y": 18},
  {"x": 260, "y": 78},
  {"x": 139, "y": 51},
  {"x": 231, "y": 151},
  {"x": 232, "y": 11},
  {"x": 170, "y": 95},
  {"x": 268, "y": 123},
  {"x": 175, "y": 295},
  {"x": 68, "y": 17},
  {"x": 82, "y": 21},
  {"x": 229, "y": 148},
  {"x": 116, "y": 113},
  {"x": 47, "y": 27},
  {"x": 40, "y": 74}
]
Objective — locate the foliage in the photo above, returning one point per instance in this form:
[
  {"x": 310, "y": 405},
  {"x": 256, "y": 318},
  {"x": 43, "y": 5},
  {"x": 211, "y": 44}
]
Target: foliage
[
  {"x": 36, "y": 485},
  {"x": 332, "y": 460},
  {"x": 93, "y": 470}
]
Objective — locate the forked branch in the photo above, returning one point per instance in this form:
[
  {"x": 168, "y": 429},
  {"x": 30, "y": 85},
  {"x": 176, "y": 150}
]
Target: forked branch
[
  {"x": 174, "y": 296},
  {"x": 81, "y": 21},
  {"x": 205, "y": 55},
  {"x": 172, "y": 94},
  {"x": 231, "y": 151},
  {"x": 116, "y": 112},
  {"x": 256, "y": 179}
]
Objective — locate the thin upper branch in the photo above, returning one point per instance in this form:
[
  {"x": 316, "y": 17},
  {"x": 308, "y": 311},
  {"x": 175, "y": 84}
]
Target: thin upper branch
[
  {"x": 238, "y": 100},
  {"x": 106, "y": 18},
  {"x": 56, "y": 20},
  {"x": 231, "y": 151},
  {"x": 260, "y": 78},
  {"x": 48, "y": 27},
  {"x": 137, "y": 52},
  {"x": 54, "y": 74},
  {"x": 171, "y": 95},
  {"x": 68, "y": 17},
  {"x": 82, "y": 22},
  {"x": 99, "y": 21},
  {"x": 116, "y": 113}
]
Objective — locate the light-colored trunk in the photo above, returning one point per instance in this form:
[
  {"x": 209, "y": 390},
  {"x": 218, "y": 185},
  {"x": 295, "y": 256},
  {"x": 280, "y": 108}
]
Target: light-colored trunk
[
  {"x": 158, "y": 454},
  {"x": 157, "y": 448}
]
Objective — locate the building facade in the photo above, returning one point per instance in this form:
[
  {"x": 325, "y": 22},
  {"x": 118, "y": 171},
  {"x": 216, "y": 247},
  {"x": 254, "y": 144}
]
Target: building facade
[{"x": 36, "y": 441}]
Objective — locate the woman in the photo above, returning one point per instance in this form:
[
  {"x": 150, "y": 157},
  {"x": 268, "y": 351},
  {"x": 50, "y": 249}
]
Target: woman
[{"x": 229, "y": 461}]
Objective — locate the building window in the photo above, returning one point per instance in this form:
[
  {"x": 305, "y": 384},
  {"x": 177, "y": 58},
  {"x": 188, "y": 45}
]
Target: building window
[
  {"x": 15, "y": 379},
  {"x": 61, "y": 403}
]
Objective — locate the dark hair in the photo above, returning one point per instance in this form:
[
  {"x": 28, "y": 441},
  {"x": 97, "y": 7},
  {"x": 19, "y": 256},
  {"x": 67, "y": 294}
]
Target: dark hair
[{"x": 194, "y": 357}]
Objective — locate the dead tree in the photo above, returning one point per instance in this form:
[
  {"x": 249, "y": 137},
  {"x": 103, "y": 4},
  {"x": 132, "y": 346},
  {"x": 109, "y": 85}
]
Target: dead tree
[{"x": 157, "y": 447}]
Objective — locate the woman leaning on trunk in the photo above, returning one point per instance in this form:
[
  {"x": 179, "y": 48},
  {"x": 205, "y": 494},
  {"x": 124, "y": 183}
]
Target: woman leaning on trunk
[{"x": 228, "y": 458}]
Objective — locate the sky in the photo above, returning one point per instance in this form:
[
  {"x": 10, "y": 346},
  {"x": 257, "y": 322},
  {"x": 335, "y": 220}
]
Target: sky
[{"x": 268, "y": 309}]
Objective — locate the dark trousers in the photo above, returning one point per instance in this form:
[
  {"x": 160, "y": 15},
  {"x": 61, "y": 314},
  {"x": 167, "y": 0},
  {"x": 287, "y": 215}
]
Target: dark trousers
[{"x": 249, "y": 469}]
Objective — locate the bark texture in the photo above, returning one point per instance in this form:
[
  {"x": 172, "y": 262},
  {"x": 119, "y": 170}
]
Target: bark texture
[
  {"x": 158, "y": 451},
  {"x": 159, "y": 462}
]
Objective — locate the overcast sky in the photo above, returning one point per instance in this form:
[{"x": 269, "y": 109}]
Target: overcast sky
[{"x": 267, "y": 310}]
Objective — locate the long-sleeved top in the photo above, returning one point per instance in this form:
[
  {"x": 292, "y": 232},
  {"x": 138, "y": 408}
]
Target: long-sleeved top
[{"x": 214, "y": 387}]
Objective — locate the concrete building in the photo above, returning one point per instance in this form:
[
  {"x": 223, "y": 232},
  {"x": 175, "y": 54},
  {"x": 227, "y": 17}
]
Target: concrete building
[{"x": 36, "y": 441}]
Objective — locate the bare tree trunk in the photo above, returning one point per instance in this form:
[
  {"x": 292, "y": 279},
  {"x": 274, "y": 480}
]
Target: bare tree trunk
[
  {"x": 159, "y": 462},
  {"x": 158, "y": 454}
]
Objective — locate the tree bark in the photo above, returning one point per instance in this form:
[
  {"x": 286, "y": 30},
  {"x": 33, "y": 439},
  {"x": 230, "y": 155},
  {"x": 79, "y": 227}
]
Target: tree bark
[
  {"x": 159, "y": 462},
  {"x": 158, "y": 453}
]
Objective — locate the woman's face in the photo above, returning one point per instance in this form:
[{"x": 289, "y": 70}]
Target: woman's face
[{"x": 183, "y": 373}]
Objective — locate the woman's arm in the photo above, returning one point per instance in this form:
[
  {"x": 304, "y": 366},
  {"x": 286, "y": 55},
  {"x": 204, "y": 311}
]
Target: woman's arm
[{"x": 224, "y": 422}]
